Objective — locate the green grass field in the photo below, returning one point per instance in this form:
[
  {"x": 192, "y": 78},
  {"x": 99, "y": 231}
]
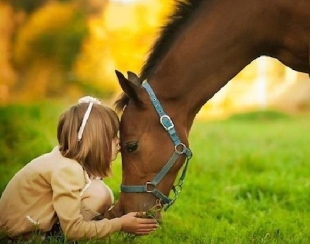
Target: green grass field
[{"x": 248, "y": 182}]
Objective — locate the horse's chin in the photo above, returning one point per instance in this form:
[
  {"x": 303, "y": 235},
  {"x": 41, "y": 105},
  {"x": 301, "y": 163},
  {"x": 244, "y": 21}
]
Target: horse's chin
[{"x": 114, "y": 212}]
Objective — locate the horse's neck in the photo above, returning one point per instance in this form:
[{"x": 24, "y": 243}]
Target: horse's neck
[
  {"x": 217, "y": 45},
  {"x": 209, "y": 52}
]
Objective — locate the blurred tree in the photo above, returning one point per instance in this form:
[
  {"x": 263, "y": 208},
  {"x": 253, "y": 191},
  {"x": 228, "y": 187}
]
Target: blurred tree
[
  {"x": 45, "y": 48},
  {"x": 65, "y": 47},
  {"x": 45, "y": 39},
  {"x": 27, "y": 6},
  {"x": 120, "y": 40},
  {"x": 7, "y": 74}
]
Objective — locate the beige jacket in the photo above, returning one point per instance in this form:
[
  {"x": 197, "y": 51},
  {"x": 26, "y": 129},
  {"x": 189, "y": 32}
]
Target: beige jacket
[{"x": 45, "y": 191}]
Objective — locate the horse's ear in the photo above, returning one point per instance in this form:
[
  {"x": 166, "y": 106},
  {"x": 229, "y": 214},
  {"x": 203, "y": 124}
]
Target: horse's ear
[
  {"x": 130, "y": 86},
  {"x": 133, "y": 78}
]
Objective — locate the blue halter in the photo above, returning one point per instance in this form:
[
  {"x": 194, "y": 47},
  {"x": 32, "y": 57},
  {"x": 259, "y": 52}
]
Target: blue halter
[{"x": 179, "y": 149}]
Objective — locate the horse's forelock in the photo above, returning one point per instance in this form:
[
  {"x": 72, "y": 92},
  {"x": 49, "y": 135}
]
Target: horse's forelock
[{"x": 121, "y": 102}]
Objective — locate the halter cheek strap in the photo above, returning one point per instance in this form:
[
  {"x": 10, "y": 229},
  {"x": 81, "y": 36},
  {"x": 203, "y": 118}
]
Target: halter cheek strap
[{"x": 179, "y": 149}]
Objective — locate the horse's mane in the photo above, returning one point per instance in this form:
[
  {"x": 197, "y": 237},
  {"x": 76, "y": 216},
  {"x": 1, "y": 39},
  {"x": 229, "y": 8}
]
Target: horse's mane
[{"x": 184, "y": 11}]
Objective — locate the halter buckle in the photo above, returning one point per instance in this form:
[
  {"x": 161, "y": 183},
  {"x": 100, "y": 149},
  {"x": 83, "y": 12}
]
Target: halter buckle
[{"x": 166, "y": 122}]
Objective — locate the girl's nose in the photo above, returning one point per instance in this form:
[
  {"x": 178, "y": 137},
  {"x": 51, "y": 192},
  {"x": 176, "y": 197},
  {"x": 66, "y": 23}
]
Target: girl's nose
[{"x": 118, "y": 144}]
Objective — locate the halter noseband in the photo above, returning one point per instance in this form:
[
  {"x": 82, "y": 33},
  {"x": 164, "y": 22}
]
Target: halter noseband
[{"x": 179, "y": 149}]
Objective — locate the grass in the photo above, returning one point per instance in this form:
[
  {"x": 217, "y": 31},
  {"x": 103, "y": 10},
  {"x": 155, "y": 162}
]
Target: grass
[{"x": 248, "y": 181}]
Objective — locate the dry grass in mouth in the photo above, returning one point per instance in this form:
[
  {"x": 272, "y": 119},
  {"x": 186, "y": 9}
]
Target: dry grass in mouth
[{"x": 152, "y": 212}]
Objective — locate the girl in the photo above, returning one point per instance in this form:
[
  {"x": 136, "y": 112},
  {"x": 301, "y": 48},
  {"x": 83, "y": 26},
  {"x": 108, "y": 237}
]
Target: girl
[{"x": 65, "y": 184}]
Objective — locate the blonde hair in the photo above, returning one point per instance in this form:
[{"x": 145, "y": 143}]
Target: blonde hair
[{"x": 94, "y": 150}]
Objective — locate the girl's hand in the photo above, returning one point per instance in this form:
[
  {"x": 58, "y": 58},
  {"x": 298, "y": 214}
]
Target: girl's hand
[{"x": 138, "y": 226}]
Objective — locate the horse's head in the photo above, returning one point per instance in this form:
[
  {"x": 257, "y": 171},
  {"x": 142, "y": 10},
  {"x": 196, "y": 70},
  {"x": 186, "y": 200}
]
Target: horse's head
[{"x": 153, "y": 149}]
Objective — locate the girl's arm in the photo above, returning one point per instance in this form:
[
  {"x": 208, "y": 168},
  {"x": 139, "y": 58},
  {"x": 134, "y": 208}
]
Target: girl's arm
[{"x": 67, "y": 183}]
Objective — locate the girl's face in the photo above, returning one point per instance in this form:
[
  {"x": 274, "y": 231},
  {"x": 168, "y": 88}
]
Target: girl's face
[{"x": 115, "y": 148}]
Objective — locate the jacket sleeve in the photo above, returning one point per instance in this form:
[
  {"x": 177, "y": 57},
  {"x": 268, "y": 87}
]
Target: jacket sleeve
[{"x": 67, "y": 182}]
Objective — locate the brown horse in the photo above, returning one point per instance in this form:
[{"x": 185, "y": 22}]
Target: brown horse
[{"x": 204, "y": 45}]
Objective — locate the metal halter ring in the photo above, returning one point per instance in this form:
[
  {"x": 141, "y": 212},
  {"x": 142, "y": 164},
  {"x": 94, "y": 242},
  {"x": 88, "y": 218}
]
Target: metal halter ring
[
  {"x": 180, "y": 151},
  {"x": 151, "y": 185}
]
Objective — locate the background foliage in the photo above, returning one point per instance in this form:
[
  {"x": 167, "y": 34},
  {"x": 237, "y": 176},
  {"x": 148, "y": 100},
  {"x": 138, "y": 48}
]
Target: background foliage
[{"x": 65, "y": 48}]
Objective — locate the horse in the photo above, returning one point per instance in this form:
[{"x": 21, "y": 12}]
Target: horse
[{"x": 203, "y": 45}]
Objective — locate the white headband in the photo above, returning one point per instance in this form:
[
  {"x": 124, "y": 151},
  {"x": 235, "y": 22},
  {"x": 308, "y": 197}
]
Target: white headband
[{"x": 91, "y": 101}]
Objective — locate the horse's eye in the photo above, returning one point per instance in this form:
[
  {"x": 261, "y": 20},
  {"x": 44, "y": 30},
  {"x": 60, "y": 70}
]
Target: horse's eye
[{"x": 131, "y": 146}]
